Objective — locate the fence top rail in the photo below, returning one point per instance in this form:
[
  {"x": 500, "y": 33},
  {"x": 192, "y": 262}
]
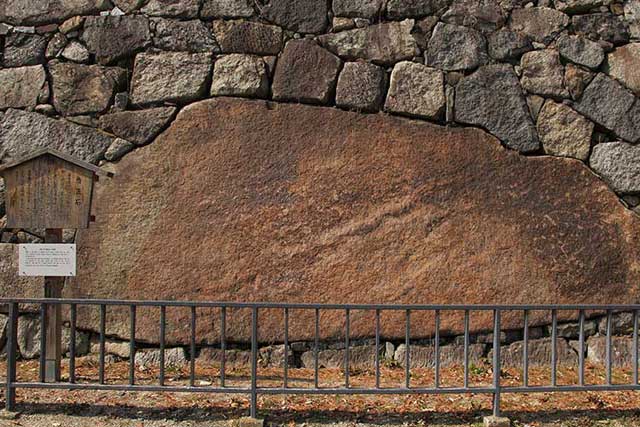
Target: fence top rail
[{"x": 311, "y": 306}]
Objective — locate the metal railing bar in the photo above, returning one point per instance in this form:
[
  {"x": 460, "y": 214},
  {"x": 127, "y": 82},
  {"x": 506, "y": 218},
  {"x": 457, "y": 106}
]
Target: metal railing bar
[
  {"x": 608, "y": 346},
  {"x": 347, "y": 334},
  {"x": 496, "y": 363},
  {"x": 316, "y": 345},
  {"x": 132, "y": 344},
  {"x": 12, "y": 346},
  {"x": 554, "y": 346},
  {"x": 407, "y": 353},
  {"x": 254, "y": 363},
  {"x": 581, "y": 346},
  {"x": 466, "y": 349},
  {"x": 377, "y": 352},
  {"x": 72, "y": 344},
  {"x": 163, "y": 317},
  {"x": 43, "y": 341},
  {"x": 192, "y": 348},
  {"x": 285, "y": 381},
  {"x": 223, "y": 345},
  {"x": 103, "y": 316},
  {"x": 525, "y": 351},
  {"x": 635, "y": 346},
  {"x": 437, "y": 350}
]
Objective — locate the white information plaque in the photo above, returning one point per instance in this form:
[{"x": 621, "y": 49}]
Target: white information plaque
[{"x": 46, "y": 259}]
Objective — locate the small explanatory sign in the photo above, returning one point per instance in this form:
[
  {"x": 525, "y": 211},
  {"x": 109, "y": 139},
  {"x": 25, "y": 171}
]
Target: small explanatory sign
[{"x": 47, "y": 260}]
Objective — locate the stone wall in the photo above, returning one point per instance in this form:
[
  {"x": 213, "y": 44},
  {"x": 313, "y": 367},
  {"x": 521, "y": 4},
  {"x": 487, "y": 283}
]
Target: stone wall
[{"x": 100, "y": 79}]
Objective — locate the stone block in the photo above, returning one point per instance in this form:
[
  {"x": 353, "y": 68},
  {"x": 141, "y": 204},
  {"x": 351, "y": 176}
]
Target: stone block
[
  {"x": 361, "y": 86},
  {"x": 416, "y": 90},
  {"x": 240, "y": 75}
]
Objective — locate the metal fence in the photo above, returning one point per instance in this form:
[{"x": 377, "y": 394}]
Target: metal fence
[{"x": 253, "y": 390}]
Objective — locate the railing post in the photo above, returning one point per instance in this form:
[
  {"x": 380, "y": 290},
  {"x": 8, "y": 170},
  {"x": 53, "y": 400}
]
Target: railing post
[
  {"x": 496, "y": 363},
  {"x": 12, "y": 335},
  {"x": 254, "y": 362}
]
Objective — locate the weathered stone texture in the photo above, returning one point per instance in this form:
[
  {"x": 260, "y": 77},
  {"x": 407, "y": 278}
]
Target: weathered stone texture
[
  {"x": 491, "y": 97},
  {"x": 416, "y": 90},
  {"x": 118, "y": 148},
  {"x": 356, "y": 8},
  {"x": 361, "y": 86},
  {"x": 632, "y": 16},
  {"x": 188, "y": 36},
  {"x": 139, "y": 127},
  {"x": 21, "y": 86},
  {"x": 172, "y": 76},
  {"x": 23, "y": 49},
  {"x": 601, "y": 26},
  {"x": 385, "y": 43},
  {"x": 621, "y": 351},
  {"x": 539, "y": 353},
  {"x": 541, "y": 24},
  {"x": 82, "y": 89},
  {"x": 76, "y": 52},
  {"x": 248, "y": 37},
  {"x": 303, "y": 192},
  {"x": 185, "y": 9},
  {"x": 619, "y": 164},
  {"x": 360, "y": 357},
  {"x": 240, "y": 75},
  {"x": 505, "y": 45},
  {"x": 304, "y": 16},
  {"x": 453, "y": 47},
  {"x": 621, "y": 324},
  {"x": 28, "y": 337},
  {"x": 401, "y": 9},
  {"x": 111, "y": 38},
  {"x": 174, "y": 357},
  {"x": 580, "y": 50},
  {"x": 608, "y": 103},
  {"x": 226, "y": 9},
  {"x": 424, "y": 356},
  {"x": 563, "y": 132},
  {"x": 579, "y": 6},
  {"x": 11, "y": 284},
  {"x": 483, "y": 15},
  {"x": 306, "y": 73},
  {"x": 37, "y": 12},
  {"x": 624, "y": 65},
  {"x": 543, "y": 74},
  {"x": 22, "y": 132}
]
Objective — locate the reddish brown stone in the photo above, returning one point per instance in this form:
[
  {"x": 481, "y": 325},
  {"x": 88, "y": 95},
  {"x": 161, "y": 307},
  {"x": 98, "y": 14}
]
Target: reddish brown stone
[{"x": 256, "y": 201}]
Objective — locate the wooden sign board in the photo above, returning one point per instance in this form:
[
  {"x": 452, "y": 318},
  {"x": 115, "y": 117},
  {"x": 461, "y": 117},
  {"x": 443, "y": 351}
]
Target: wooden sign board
[{"x": 48, "y": 190}]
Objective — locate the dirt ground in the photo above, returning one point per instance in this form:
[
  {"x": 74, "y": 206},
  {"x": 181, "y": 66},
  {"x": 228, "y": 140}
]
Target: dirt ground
[{"x": 55, "y": 408}]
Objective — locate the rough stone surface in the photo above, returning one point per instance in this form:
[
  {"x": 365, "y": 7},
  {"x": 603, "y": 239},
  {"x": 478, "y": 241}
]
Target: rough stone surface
[
  {"x": 483, "y": 15},
  {"x": 138, "y": 127},
  {"x": 240, "y": 75},
  {"x": 572, "y": 330},
  {"x": 621, "y": 323},
  {"x": 128, "y": 6},
  {"x": 624, "y": 65},
  {"x": 491, "y": 97},
  {"x": 76, "y": 52},
  {"x": 28, "y": 337},
  {"x": 118, "y": 148},
  {"x": 360, "y": 357},
  {"x": 541, "y": 24},
  {"x": 187, "y": 36},
  {"x": 579, "y": 6},
  {"x": 81, "y": 89},
  {"x": 22, "y": 132},
  {"x": 601, "y": 26},
  {"x": 493, "y": 421},
  {"x": 111, "y": 38},
  {"x": 539, "y": 353},
  {"x": 382, "y": 43},
  {"x": 210, "y": 356},
  {"x": 82, "y": 342},
  {"x": 632, "y": 16},
  {"x": 401, "y": 9},
  {"x": 563, "y": 132},
  {"x": 453, "y": 47},
  {"x": 361, "y": 86},
  {"x": 226, "y": 9},
  {"x": 543, "y": 74},
  {"x": 29, "y": 12},
  {"x": 611, "y": 105},
  {"x": 248, "y": 37},
  {"x": 21, "y": 86},
  {"x": 621, "y": 351},
  {"x": 171, "y": 76},
  {"x": 23, "y": 49},
  {"x": 184, "y": 9},
  {"x": 505, "y": 45},
  {"x": 305, "y": 72},
  {"x": 291, "y": 196},
  {"x": 580, "y": 50},
  {"x": 357, "y": 8},
  {"x": 423, "y": 356},
  {"x": 303, "y": 16},
  {"x": 119, "y": 349},
  {"x": 56, "y": 45},
  {"x": 619, "y": 164},
  {"x": 11, "y": 284},
  {"x": 151, "y": 358},
  {"x": 416, "y": 90}
]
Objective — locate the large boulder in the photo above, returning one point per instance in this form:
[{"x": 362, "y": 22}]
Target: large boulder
[
  {"x": 22, "y": 132},
  {"x": 37, "y": 12},
  {"x": 139, "y": 127},
  {"x": 21, "y": 87},
  {"x": 416, "y": 90},
  {"x": 303, "y": 16},
  {"x": 110, "y": 38},
  {"x": 248, "y": 37},
  {"x": 188, "y": 36},
  {"x": 454, "y": 47},
  {"x": 253, "y": 201},
  {"x": 492, "y": 98}
]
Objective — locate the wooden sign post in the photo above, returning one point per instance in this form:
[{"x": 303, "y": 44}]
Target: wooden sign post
[{"x": 51, "y": 190}]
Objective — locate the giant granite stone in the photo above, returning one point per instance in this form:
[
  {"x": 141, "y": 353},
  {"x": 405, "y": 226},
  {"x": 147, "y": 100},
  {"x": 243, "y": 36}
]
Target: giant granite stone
[
  {"x": 624, "y": 65},
  {"x": 21, "y": 86},
  {"x": 305, "y": 73},
  {"x": 84, "y": 89},
  {"x": 37, "y": 12},
  {"x": 491, "y": 97},
  {"x": 248, "y": 200},
  {"x": 111, "y": 38},
  {"x": 139, "y": 127},
  {"x": 454, "y": 47},
  {"x": 385, "y": 43},
  {"x": 611, "y": 105},
  {"x": 22, "y": 132},
  {"x": 303, "y": 16},
  {"x": 619, "y": 164},
  {"x": 170, "y": 76}
]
